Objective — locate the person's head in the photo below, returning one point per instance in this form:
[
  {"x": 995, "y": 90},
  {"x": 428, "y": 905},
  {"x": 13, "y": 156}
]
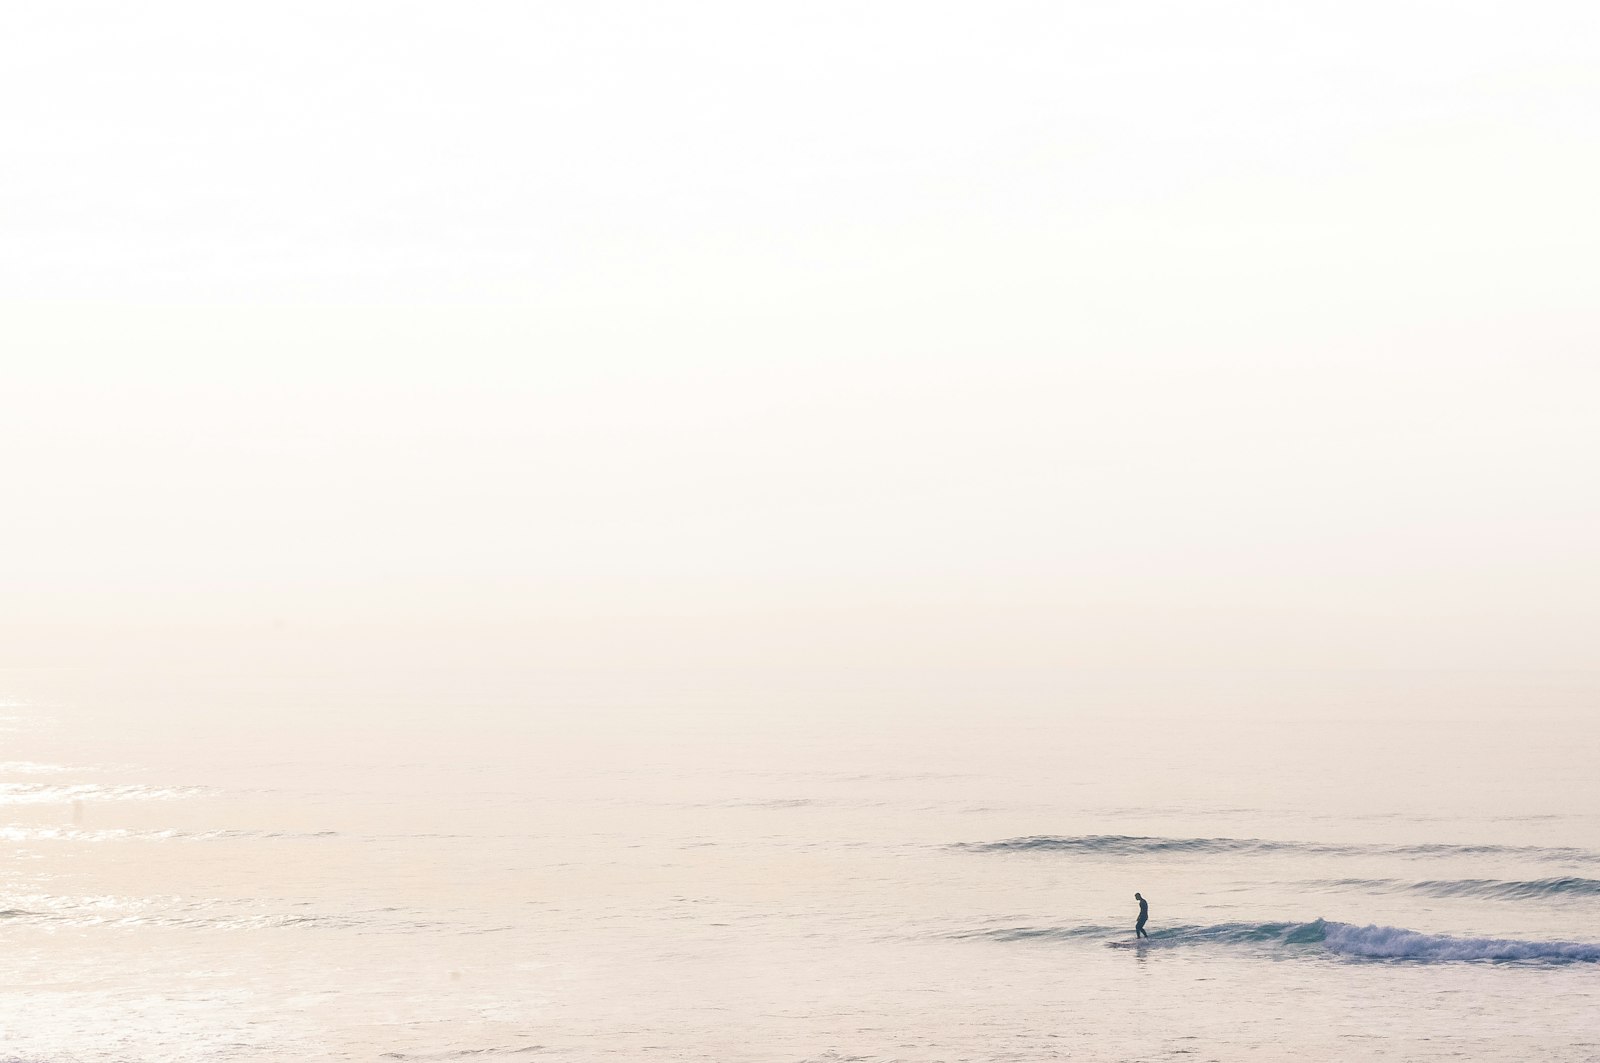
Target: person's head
[{"x": 1137, "y": 897}]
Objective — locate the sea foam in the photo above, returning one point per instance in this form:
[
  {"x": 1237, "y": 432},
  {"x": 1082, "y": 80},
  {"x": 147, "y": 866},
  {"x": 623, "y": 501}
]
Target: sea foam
[{"x": 1393, "y": 943}]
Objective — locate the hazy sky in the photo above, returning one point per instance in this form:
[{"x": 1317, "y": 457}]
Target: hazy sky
[{"x": 485, "y": 337}]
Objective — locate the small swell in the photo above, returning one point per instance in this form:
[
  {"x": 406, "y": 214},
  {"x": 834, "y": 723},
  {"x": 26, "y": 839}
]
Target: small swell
[
  {"x": 1446, "y": 849},
  {"x": 1123, "y": 845},
  {"x": 1489, "y": 888},
  {"x": 1039, "y": 933},
  {"x": 1139, "y": 845},
  {"x": 464, "y": 1053},
  {"x": 50, "y": 793},
  {"x": 77, "y": 834},
  {"x": 209, "y": 914},
  {"x": 30, "y": 767},
  {"x": 1511, "y": 890}
]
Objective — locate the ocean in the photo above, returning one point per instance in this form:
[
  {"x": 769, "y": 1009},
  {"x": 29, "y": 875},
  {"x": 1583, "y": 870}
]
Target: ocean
[{"x": 811, "y": 876}]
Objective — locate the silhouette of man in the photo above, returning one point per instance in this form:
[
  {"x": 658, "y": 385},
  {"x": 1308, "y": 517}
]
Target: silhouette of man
[{"x": 1144, "y": 913}]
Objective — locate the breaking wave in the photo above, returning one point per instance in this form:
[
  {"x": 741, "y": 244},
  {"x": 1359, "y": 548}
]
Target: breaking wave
[
  {"x": 1322, "y": 937},
  {"x": 1135, "y": 845},
  {"x": 1393, "y": 943}
]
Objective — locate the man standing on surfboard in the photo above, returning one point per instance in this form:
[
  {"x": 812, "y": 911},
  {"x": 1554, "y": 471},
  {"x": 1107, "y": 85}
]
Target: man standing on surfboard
[{"x": 1144, "y": 913}]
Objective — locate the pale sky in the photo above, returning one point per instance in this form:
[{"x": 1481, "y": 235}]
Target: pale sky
[{"x": 488, "y": 337}]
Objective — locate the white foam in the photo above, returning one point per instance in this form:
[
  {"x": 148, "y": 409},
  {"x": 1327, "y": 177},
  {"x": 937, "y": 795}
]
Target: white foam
[{"x": 1388, "y": 942}]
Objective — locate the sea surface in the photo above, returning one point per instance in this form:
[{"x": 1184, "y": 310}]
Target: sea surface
[{"x": 803, "y": 877}]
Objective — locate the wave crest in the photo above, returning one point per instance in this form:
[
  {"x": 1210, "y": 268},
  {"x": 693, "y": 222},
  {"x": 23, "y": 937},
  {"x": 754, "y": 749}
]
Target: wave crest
[{"x": 1489, "y": 888}]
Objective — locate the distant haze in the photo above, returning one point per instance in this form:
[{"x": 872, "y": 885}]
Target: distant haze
[{"x": 394, "y": 340}]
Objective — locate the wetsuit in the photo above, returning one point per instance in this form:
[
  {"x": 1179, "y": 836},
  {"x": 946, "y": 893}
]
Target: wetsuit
[{"x": 1144, "y": 913}]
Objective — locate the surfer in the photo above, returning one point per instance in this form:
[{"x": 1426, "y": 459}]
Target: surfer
[{"x": 1144, "y": 913}]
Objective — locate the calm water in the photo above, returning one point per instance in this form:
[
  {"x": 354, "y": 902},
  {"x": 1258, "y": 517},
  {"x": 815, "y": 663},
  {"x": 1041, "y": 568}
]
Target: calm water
[{"x": 760, "y": 881}]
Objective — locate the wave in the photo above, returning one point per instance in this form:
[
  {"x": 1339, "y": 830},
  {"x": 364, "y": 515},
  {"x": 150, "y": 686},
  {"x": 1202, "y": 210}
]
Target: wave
[
  {"x": 30, "y": 767},
  {"x": 14, "y": 793},
  {"x": 465, "y": 1053},
  {"x": 1510, "y": 890},
  {"x": 1492, "y": 888},
  {"x": 1139, "y": 845},
  {"x": 1045, "y": 933},
  {"x": 116, "y": 912},
  {"x": 1123, "y": 845},
  {"x": 1394, "y": 943},
  {"x": 1321, "y": 937},
  {"x": 78, "y": 834}
]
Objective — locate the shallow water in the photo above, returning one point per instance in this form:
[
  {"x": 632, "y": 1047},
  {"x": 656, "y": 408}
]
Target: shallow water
[{"x": 739, "y": 881}]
